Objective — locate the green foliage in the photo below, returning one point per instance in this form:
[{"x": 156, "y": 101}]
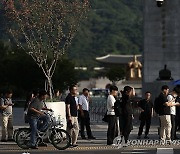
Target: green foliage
[
  {"x": 3, "y": 24},
  {"x": 113, "y": 26},
  {"x": 18, "y": 71},
  {"x": 115, "y": 74},
  {"x": 65, "y": 74},
  {"x": 21, "y": 73}
]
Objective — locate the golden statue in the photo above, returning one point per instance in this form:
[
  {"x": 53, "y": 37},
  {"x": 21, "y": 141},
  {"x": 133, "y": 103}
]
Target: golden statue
[{"x": 135, "y": 69}]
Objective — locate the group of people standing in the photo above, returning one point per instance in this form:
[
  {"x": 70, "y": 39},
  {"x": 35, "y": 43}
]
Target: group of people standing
[
  {"x": 77, "y": 112},
  {"x": 166, "y": 106},
  {"x": 125, "y": 113}
]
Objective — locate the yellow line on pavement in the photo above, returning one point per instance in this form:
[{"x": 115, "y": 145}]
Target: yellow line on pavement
[{"x": 15, "y": 149}]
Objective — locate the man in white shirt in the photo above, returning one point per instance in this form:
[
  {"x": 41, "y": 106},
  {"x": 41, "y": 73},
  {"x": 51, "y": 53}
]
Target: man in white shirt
[
  {"x": 6, "y": 116},
  {"x": 84, "y": 114},
  {"x": 171, "y": 98},
  {"x": 112, "y": 119}
]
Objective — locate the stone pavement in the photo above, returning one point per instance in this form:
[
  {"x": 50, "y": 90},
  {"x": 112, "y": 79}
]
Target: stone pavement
[
  {"x": 99, "y": 131},
  {"x": 89, "y": 146}
]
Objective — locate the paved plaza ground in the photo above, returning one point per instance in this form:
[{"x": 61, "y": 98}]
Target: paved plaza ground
[{"x": 93, "y": 146}]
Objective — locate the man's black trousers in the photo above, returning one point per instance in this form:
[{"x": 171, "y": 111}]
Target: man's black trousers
[
  {"x": 85, "y": 121},
  {"x": 145, "y": 121},
  {"x": 112, "y": 132},
  {"x": 173, "y": 128}
]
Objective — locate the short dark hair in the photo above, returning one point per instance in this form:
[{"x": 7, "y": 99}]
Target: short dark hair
[
  {"x": 113, "y": 88},
  {"x": 147, "y": 92},
  {"x": 177, "y": 89},
  {"x": 85, "y": 89},
  {"x": 164, "y": 87},
  {"x": 8, "y": 91},
  {"x": 42, "y": 93},
  {"x": 127, "y": 89},
  {"x": 72, "y": 86}
]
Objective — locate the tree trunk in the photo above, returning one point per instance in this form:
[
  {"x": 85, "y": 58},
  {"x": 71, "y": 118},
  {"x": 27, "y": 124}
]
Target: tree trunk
[{"x": 50, "y": 87}]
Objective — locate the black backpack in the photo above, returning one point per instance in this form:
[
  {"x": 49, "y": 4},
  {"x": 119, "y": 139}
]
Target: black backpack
[
  {"x": 156, "y": 105},
  {"x": 118, "y": 107}
]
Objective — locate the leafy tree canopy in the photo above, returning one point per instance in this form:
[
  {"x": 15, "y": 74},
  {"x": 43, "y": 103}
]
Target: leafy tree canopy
[
  {"x": 113, "y": 26},
  {"x": 20, "y": 73},
  {"x": 115, "y": 74}
]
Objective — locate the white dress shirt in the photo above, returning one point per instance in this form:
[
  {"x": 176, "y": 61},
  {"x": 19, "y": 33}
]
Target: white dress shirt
[
  {"x": 172, "y": 108},
  {"x": 110, "y": 103},
  {"x": 84, "y": 102}
]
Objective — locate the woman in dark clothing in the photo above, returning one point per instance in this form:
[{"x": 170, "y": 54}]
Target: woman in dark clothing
[{"x": 127, "y": 112}]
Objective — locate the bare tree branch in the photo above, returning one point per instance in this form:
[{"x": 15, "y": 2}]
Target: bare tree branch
[{"x": 46, "y": 28}]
